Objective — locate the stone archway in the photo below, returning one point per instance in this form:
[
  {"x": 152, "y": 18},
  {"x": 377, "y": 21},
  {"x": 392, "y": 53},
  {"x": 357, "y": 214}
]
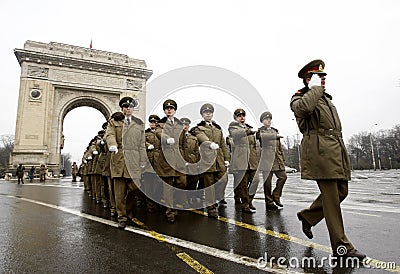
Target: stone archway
[{"x": 56, "y": 78}]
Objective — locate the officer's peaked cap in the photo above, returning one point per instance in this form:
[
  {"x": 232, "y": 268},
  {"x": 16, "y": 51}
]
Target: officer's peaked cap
[
  {"x": 265, "y": 115},
  {"x": 185, "y": 121},
  {"x": 127, "y": 101},
  {"x": 239, "y": 111},
  {"x": 170, "y": 103},
  {"x": 316, "y": 66},
  {"x": 206, "y": 107},
  {"x": 154, "y": 118}
]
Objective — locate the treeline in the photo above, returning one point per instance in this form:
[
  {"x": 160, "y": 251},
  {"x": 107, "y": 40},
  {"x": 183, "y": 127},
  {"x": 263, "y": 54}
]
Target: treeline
[{"x": 381, "y": 147}]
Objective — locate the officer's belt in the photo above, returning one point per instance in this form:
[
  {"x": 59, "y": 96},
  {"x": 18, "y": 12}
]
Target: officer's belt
[{"x": 324, "y": 132}]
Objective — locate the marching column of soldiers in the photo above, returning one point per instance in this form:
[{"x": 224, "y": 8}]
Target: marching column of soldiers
[
  {"x": 124, "y": 161},
  {"x": 126, "y": 166}
]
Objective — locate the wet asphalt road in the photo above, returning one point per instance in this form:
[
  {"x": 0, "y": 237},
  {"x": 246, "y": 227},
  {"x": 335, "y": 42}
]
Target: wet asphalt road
[{"x": 56, "y": 228}]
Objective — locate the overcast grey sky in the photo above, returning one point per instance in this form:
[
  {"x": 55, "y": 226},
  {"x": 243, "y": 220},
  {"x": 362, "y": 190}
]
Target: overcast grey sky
[{"x": 265, "y": 42}]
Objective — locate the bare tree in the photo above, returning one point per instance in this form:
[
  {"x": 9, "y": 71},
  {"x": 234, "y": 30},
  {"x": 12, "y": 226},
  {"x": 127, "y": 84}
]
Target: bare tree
[{"x": 6, "y": 147}]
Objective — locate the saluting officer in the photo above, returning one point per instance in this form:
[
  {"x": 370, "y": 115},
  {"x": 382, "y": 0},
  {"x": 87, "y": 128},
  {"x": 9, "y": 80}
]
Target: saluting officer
[
  {"x": 272, "y": 161},
  {"x": 170, "y": 166},
  {"x": 324, "y": 156},
  {"x": 244, "y": 156},
  {"x": 127, "y": 135}
]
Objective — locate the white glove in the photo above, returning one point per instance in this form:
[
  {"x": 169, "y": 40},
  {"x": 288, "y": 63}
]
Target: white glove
[
  {"x": 89, "y": 158},
  {"x": 102, "y": 142},
  {"x": 84, "y": 161},
  {"x": 95, "y": 152},
  {"x": 113, "y": 149},
  {"x": 214, "y": 146},
  {"x": 150, "y": 147},
  {"x": 314, "y": 81},
  {"x": 170, "y": 141},
  {"x": 227, "y": 163}
]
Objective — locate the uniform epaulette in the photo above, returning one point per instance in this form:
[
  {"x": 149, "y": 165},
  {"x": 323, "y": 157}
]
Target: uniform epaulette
[
  {"x": 274, "y": 129},
  {"x": 148, "y": 130}
]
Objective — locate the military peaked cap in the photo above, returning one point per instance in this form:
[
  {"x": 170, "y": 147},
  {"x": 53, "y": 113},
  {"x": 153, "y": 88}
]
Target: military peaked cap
[
  {"x": 206, "y": 107},
  {"x": 265, "y": 115},
  {"x": 315, "y": 66},
  {"x": 239, "y": 111},
  {"x": 170, "y": 103},
  {"x": 127, "y": 101},
  {"x": 185, "y": 121},
  {"x": 154, "y": 118}
]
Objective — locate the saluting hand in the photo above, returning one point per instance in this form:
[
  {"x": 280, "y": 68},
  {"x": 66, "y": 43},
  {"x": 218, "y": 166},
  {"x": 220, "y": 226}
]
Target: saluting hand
[
  {"x": 113, "y": 149},
  {"x": 314, "y": 81}
]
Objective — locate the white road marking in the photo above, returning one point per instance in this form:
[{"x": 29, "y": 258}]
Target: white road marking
[{"x": 218, "y": 253}]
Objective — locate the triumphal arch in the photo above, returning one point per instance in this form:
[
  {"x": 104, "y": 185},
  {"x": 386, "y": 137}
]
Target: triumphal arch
[{"x": 56, "y": 78}]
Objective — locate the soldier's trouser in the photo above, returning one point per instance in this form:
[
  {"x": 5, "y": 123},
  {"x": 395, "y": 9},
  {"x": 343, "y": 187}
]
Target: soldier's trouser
[
  {"x": 210, "y": 178},
  {"x": 124, "y": 189},
  {"x": 151, "y": 188},
  {"x": 97, "y": 186},
  {"x": 111, "y": 194},
  {"x": 269, "y": 194},
  {"x": 73, "y": 178},
  {"x": 103, "y": 189},
  {"x": 327, "y": 205},
  {"x": 87, "y": 184},
  {"x": 93, "y": 186},
  {"x": 245, "y": 177},
  {"x": 170, "y": 182}
]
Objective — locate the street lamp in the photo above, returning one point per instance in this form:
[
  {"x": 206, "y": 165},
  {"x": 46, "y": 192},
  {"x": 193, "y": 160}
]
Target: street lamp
[{"x": 372, "y": 146}]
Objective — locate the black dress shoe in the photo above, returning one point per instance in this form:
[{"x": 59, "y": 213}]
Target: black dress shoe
[
  {"x": 213, "y": 214},
  {"x": 271, "y": 206},
  {"x": 278, "y": 202},
  {"x": 121, "y": 225},
  {"x": 223, "y": 202},
  {"x": 171, "y": 219},
  {"x": 306, "y": 227},
  {"x": 354, "y": 253},
  {"x": 247, "y": 210},
  {"x": 252, "y": 207}
]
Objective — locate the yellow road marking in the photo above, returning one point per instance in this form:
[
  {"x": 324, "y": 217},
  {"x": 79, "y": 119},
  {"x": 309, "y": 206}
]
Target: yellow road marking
[
  {"x": 180, "y": 254},
  {"x": 372, "y": 262}
]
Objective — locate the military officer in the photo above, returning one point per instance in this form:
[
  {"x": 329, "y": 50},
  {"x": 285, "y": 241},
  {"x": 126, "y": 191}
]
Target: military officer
[
  {"x": 125, "y": 138},
  {"x": 118, "y": 116},
  {"x": 244, "y": 156},
  {"x": 170, "y": 165},
  {"x": 192, "y": 157},
  {"x": 151, "y": 185},
  {"x": 272, "y": 161},
  {"x": 324, "y": 156},
  {"x": 215, "y": 158}
]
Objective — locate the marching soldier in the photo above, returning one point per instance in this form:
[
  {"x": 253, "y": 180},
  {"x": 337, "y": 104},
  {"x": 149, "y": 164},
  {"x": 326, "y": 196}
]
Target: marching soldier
[
  {"x": 170, "y": 165},
  {"x": 20, "y": 173},
  {"x": 272, "y": 161},
  {"x": 192, "y": 157},
  {"x": 244, "y": 157},
  {"x": 152, "y": 182},
  {"x": 214, "y": 158},
  {"x": 324, "y": 157},
  {"x": 42, "y": 173},
  {"x": 128, "y": 135}
]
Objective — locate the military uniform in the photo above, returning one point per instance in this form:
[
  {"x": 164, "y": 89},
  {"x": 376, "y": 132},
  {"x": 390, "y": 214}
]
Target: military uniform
[
  {"x": 151, "y": 182},
  {"x": 20, "y": 173},
  {"x": 125, "y": 138},
  {"x": 214, "y": 159},
  {"x": 169, "y": 164},
  {"x": 42, "y": 173},
  {"x": 272, "y": 162},
  {"x": 244, "y": 158},
  {"x": 192, "y": 158},
  {"x": 324, "y": 157}
]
